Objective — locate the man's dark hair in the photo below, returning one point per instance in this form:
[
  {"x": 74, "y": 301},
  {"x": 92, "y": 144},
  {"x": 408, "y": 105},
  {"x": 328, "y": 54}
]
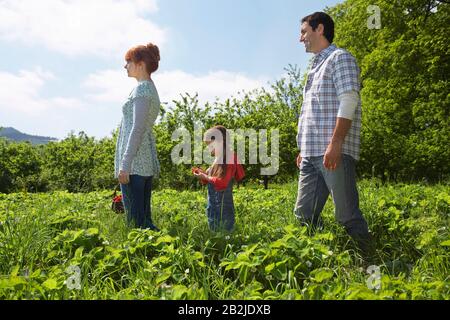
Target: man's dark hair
[{"x": 321, "y": 18}]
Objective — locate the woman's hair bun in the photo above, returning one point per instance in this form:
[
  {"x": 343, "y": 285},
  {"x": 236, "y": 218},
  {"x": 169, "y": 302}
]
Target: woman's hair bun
[{"x": 154, "y": 51}]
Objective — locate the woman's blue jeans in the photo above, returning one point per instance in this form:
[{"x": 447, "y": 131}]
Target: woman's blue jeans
[{"x": 137, "y": 201}]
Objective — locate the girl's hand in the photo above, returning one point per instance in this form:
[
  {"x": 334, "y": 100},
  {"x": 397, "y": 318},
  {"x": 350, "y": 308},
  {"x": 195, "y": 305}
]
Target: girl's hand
[
  {"x": 201, "y": 176},
  {"x": 124, "y": 177},
  {"x": 196, "y": 170}
]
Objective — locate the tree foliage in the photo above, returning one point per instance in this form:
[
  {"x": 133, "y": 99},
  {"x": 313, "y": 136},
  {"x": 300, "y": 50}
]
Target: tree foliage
[
  {"x": 406, "y": 93},
  {"x": 405, "y": 96}
]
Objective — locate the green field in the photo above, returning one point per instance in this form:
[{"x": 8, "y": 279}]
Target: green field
[{"x": 45, "y": 238}]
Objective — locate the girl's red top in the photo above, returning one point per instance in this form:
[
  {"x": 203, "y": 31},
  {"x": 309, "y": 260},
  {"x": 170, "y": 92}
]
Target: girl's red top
[{"x": 234, "y": 170}]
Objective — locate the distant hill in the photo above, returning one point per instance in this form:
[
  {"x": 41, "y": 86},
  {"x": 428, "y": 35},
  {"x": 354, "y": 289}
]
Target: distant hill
[{"x": 16, "y": 135}]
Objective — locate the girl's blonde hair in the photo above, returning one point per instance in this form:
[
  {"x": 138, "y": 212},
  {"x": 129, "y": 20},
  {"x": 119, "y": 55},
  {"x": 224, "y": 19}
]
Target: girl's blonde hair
[{"x": 219, "y": 133}]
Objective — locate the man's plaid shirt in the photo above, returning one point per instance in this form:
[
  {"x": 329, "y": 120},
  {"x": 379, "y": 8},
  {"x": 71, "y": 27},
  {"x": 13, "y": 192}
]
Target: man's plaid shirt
[{"x": 334, "y": 72}]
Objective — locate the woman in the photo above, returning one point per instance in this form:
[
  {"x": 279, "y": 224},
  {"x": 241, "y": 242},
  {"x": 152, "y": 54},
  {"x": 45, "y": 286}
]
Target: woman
[{"x": 136, "y": 160}]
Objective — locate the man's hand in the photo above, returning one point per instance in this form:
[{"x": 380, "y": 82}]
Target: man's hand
[
  {"x": 124, "y": 177},
  {"x": 332, "y": 158},
  {"x": 299, "y": 160}
]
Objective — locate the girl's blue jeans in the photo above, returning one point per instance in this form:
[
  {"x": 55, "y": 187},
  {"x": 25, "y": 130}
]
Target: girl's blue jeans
[{"x": 220, "y": 208}]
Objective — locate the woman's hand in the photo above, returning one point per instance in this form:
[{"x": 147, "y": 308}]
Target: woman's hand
[{"x": 124, "y": 177}]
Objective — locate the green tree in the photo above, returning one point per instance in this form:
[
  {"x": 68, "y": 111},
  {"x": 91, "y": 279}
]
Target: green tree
[
  {"x": 20, "y": 167},
  {"x": 277, "y": 108},
  {"x": 404, "y": 69},
  {"x": 79, "y": 163}
]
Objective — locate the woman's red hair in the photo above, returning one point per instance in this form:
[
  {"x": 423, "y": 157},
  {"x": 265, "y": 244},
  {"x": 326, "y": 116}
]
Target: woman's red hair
[{"x": 149, "y": 54}]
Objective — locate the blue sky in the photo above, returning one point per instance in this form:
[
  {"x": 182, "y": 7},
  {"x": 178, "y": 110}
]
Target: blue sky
[{"x": 62, "y": 60}]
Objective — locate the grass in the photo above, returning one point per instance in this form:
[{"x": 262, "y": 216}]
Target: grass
[{"x": 268, "y": 255}]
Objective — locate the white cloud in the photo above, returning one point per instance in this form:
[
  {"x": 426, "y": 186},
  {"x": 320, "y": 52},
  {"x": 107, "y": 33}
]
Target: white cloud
[
  {"x": 109, "y": 86},
  {"x": 81, "y": 27},
  {"x": 218, "y": 84},
  {"x": 22, "y": 93},
  {"x": 114, "y": 86},
  {"x": 25, "y": 106}
]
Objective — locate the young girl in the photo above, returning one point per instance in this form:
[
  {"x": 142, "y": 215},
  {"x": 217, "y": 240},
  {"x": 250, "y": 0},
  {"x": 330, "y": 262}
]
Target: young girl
[{"x": 219, "y": 177}]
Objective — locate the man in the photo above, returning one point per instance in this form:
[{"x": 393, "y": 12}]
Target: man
[{"x": 329, "y": 132}]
